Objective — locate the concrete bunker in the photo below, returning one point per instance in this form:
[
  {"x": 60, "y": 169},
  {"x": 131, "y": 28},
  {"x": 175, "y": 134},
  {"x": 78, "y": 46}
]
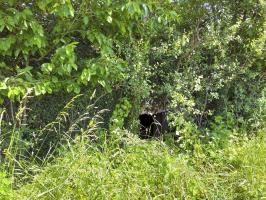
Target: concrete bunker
[{"x": 153, "y": 124}]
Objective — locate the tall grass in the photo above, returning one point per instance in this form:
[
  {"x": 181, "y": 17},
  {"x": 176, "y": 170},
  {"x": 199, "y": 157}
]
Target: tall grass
[
  {"x": 150, "y": 170},
  {"x": 21, "y": 158},
  {"x": 83, "y": 161}
]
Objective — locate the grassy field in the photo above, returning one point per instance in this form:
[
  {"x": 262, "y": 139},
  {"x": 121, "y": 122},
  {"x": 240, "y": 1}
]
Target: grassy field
[{"x": 135, "y": 169}]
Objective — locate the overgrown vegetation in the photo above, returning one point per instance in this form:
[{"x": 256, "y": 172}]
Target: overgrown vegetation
[
  {"x": 149, "y": 169},
  {"x": 76, "y": 74}
]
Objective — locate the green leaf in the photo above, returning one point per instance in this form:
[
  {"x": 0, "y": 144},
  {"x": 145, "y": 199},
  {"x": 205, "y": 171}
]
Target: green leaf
[
  {"x": 47, "y": 67},
  {"x": 77, "y": 89},
  {"x": 109, "y": 19},
  {"x": 5, "y": 43},
  {"x": 3, "y": 86},
  {"x": 86, "y": 20}
]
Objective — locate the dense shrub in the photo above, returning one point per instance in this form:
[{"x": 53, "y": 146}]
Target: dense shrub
[{"x": 66, "y": 66}]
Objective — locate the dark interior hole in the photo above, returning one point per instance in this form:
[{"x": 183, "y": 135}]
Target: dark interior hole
[
  {"x": 146, "y": 122},
  {"x": 154, "y": 125}
]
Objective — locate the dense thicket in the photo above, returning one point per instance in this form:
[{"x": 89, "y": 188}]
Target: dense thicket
[
  {"x": 204, "y": 58},
  {"x": 202, "y": 61}
]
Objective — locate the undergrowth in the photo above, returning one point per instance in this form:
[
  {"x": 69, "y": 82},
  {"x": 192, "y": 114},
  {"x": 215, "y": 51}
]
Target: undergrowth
[
  {"x": 90, "y": 162},
  {"x": 128, "y": 168}
]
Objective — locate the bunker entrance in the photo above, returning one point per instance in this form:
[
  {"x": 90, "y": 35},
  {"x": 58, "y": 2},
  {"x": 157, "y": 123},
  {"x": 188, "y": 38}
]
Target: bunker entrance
[
  {"x": 152, "y": 124},
  {"x": 146, "y": 124}
]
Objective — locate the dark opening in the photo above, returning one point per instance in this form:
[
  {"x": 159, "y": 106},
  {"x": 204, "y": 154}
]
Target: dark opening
[
  {"x": 146, "y": 122},
  {"x": 155, "y": 125}
]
